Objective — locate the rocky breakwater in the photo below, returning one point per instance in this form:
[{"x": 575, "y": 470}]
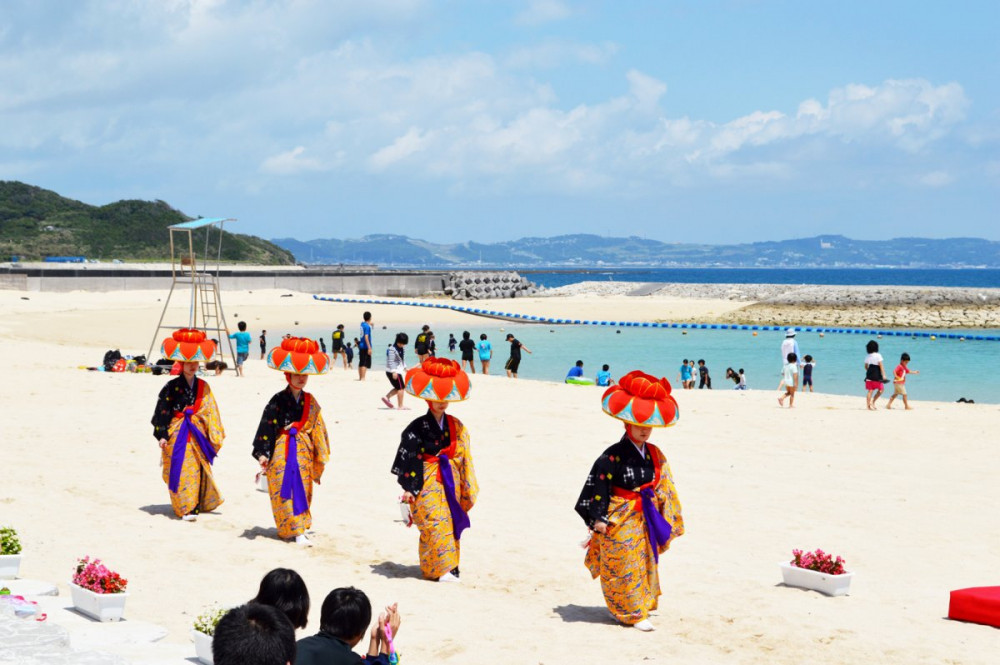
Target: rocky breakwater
[
  {"x": 875, "y": 307},
  {"x": 476, "y": 285}
]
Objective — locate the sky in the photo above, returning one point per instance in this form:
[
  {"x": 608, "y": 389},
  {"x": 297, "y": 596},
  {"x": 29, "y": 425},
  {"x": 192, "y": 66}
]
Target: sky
[{"x": 455, "y": 120}]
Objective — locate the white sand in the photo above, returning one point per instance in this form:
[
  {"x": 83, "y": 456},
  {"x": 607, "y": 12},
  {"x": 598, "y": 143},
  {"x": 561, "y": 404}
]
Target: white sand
[{"x": 909, "y": 499}]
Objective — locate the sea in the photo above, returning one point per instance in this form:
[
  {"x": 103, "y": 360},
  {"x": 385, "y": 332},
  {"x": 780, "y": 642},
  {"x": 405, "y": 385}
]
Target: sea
[{"x": 950, "y": 369}]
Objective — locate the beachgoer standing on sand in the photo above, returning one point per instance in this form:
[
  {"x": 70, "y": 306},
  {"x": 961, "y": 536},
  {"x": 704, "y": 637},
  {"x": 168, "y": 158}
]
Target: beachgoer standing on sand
[
  {"x": 187, "y": 425},
  {"x": 807, "y": 372},
  {"x": 875, "y": 378},
  {"x": 434, "y": 467},
  {"x": 337, "y": 345},
  {"x": 515, "y": 356},
  {"x": 629, "y": 501},
  {"x": 263, "y": 343},
  {"x": 705, "y": 381},
  {"x": 790, "y": 378},
  {"x": 242, "y": 345},
  {"x": 365, "y": 346},
  {"x": 899, "y": 381},
  {"x": 291, "y": 442},
  {"x": 395, "y": 369},
  {"x": 684, "y": 375},
  {"x": 485, "y": 353},
  {"x": 349, "y": 352},
  {"x": 467, "y": 347}
]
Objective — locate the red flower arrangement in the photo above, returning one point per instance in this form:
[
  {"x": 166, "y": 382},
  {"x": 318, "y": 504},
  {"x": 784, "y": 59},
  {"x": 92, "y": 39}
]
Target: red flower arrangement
[
  {"x": 819, "y": 561},
  {"x": 95, "y": 576}
]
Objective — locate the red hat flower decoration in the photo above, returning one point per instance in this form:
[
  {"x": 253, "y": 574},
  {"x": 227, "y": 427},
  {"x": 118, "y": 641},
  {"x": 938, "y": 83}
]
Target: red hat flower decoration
[
  {"x": 188, "y": 345},
  {"x": 298, "y": 355},
  {"x": 641, "y": 399},
  {"x": 438, "y": 380}
]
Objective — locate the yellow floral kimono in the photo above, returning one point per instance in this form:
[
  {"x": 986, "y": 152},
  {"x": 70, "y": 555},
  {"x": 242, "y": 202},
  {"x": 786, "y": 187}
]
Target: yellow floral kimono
[
  {"x": 188, "y": 464},
  {"x": 624, "y": 558}
]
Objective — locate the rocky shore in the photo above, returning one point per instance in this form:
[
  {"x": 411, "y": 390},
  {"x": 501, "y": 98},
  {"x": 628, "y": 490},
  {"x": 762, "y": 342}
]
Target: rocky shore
[{"x": 861, "y": 306}]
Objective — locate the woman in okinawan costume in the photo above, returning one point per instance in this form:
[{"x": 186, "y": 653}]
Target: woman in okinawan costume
[
  {"x": 434, "y": 467},
  {"x": 187, "y": 425},
  {"x": 629, "y": 501},
  {"x": 291, "y": 442}
]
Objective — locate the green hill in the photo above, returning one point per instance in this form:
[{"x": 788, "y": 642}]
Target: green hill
[{"x": 35, "y": 223}]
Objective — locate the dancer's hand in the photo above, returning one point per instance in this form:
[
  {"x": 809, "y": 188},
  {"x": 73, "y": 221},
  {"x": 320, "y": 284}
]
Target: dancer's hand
[
  {"x": 601, "y": 527},
  {"x": 408, "y": 497},
  {"x": 263, "y": 462},
  {"x": 163, "y": 444}
]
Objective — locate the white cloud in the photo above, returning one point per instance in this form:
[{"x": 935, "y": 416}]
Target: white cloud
[
  {"x": 291, "y": 162},
  {"x": 551, "y": 54},
  {"x": 408, "y": 144},
  {"x": 936, "y": 179},
  {"x": 543, "y": 11}
]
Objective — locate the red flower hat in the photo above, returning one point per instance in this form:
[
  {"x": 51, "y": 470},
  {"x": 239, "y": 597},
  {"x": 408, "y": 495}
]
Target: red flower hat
[
  {"x": 641, "y": 399},
  {"x": 438, "y": 380},
  {"x": 298, "y": 355},
  {"x": 188, "y": 345}
]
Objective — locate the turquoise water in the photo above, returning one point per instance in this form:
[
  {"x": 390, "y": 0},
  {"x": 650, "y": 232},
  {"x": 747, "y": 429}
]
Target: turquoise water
[{"x": 949, "y": 368}]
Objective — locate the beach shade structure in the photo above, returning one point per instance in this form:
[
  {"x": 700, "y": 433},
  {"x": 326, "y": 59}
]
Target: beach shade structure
[
  {"x": 438, "y": 380},
  {"x": 188, "y": 345},
  {"x": 641, "y": 399},
  {"x": 976, "y": 605},
  {"x": 298, "y": 355}
]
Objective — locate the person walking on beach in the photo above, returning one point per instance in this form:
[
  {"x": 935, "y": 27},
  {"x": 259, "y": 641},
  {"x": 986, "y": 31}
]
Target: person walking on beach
[
  {"x": 242, "y": 345},
  {"x": 705, "y": 380},
  {"x": 421, "y": 343},
  {"x": 899, "y": 381},
  {"x": 188, "y": 427},
  {"x": 349, "y": 352},
  {"x": 263, "y": 343},
  {"x": 433, "y": 465},
  {"x": 485, "y": 353},
  {"x": 365, "y": 346},
  {"x": 291, "y": 444},
  {"x": 629, "y": 502},
  {"x": 395, "y": 369},
  {"x": 452, "y": 343},
  {"x": 467, "y": 347},
  {"x": 807, "y": 372},
  {"x": 684, "y": 375},
  {"x": 337, "y": 345},
  {"x": 875, "y": 378},
  {"x": 790, "y": 378},
  {"x": 514, "y": 361}
]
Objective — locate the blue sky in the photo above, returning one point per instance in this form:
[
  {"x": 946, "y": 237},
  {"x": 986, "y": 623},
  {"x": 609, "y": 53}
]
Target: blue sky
[{"x": 461, "y": 120}]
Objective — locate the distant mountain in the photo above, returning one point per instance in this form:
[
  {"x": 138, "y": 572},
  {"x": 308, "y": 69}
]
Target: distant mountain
[
  {"x": 35, "y": 223},
  {"x": 584, "y": 250}
]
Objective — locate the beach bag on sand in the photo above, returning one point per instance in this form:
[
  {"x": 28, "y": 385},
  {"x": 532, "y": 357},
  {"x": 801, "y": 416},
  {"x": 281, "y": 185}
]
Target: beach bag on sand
[
  {"x": 119, "y": 365},
  {"x": 110, "y": 358}
]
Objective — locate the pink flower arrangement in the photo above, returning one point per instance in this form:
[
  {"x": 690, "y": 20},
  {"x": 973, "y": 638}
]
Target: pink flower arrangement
[
  {"x": 819, "y": 561},
  {"x": 95, "y": 576}
]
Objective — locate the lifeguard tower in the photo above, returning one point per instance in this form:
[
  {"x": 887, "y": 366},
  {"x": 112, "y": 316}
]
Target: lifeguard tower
[{"x": 189, "y": 273}]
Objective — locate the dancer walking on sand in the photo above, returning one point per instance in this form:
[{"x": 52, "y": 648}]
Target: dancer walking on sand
[
  {"x": 434, "y": 467},
  {"x": 291, "y": 442},
  {"x": 187, "y": 425},
  {"x": 629, "y": 501}
]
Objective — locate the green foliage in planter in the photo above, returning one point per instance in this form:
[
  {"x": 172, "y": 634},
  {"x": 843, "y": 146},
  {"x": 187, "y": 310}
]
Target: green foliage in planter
[
  {"x": 208, "y": 620},
  {"x": 9, "y": 542}
]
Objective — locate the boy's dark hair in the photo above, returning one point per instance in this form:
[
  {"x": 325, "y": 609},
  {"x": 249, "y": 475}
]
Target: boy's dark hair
[
  {"x": 367, "y": 316},
  {"x": 346, "y": 613},
  {"x": 466, "y": 334},
  {"x": 579, "y": 363},
  {"x": 402, "y": 338},
  {"x": 605, "y": 368},
  {"x": 483, "y": 336},
  {"x": 701, "y": 362},
  {"x": 254, "y": 634},
  {"x": 340, "y": 326},
  {"x": 685, "y": 361},
  {"x": 808, "y": 358},
  {"x": 425, "y": 327},
  {"x": 510, "y": 336},
  {"x": 872, "y": 346},
  {"x": 741, "y": 370},
  {"x": 791, "y": 357},
  {"x": 284, "y": 588},
  {"x": 242, "y": 325},
  {"x": 905, "y": 356}
]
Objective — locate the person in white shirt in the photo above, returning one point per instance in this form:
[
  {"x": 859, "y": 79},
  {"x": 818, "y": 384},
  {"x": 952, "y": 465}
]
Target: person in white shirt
[
  {"x": 875, "y": 378},
  {"x": 395, "y": 370}
]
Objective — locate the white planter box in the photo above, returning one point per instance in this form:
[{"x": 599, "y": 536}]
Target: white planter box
[
  {"x": 831, "y": 585},
  {"x": 203, "y": 646},
  {"x": 101, "y": 606},
  {"x": 10, "y": 564}
]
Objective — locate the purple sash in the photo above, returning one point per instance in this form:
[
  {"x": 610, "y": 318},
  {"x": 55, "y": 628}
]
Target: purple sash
[
  {"x": 180, "y": 447},
  {"x": 291, "y": 483},
  {"x": 657, "y": 527},
  {"x": 459, "y": 518}
]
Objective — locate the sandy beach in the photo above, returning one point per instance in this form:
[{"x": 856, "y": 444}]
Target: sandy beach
[{"x": 906, "y": 498}]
